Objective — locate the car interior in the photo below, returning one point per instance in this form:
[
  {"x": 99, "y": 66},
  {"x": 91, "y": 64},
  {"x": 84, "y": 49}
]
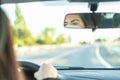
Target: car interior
[{"x": 77, "y": 72}]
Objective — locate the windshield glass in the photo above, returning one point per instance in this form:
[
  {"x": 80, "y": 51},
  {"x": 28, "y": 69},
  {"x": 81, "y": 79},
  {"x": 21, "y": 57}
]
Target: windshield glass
[{"x": 40, "y": 36}]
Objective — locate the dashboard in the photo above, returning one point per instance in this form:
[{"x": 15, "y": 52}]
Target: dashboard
[
  {"x": 90, "y": 74},
  {"x": 75, "y": 74}
]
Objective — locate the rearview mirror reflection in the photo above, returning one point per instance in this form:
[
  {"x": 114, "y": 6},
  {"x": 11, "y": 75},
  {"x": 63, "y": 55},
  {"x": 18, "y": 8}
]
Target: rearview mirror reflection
[{"x": 89, "y": 20}]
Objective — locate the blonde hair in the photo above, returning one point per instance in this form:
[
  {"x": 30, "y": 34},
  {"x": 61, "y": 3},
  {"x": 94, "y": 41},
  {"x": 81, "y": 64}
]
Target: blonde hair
[{"x": 8, "y": 64}]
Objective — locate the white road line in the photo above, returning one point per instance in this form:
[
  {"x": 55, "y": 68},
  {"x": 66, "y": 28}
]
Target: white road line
[
  {"x": 61, "y": 55},
  {"x": 105, "y": 63}
]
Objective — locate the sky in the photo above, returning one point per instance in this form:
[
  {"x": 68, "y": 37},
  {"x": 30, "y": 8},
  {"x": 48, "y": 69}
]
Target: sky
[{"x": 38, "y": 16}]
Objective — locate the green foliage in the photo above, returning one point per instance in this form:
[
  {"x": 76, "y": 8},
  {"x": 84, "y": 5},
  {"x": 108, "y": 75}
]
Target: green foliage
[
  {"x": 100, "y": 40},
  {"x": 69, "y": 39},
  {"x": 40, "y": 41},
  {"x": 83, "y": 43},
  {"x": 19, "y": 17},
  {"x": 48, "y": 34},
  {"x": 47, "y": 37},
  {"x": 118, "y": 38},
  {"x": 48, "y": 40},
  {"x": 60, "y": 39},
  {"x": 48, "y": 31},
  {"x": 22, "y": 36}
]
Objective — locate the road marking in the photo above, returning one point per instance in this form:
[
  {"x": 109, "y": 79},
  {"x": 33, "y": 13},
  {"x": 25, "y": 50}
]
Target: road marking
[
  {"x": 61, "y": 55},
  {"x": 105, "y": 63}
]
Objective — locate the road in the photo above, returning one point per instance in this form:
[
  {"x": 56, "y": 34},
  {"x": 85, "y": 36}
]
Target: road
[{"x": 88, "y": 56}]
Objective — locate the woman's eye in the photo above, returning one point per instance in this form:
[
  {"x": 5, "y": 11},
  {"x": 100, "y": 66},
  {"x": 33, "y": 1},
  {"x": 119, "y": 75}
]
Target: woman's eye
[
  {"x": 65, "y": 23},
  {"x": 76, "y": 23}
]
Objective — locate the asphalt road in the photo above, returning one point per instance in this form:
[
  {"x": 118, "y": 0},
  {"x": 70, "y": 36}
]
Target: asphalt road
[{"x": 89, "y": 56}]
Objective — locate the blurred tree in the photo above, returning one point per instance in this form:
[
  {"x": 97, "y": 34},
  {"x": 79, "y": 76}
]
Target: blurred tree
[
  {"x": 19, "y": 16},
  {"x": 100, "y": 40},
  {"x": 83, "y": 43},
  {"x": 60, "y": 39},
  {"x": 69, "y": 39},
  {"x": 23, "y": 36},
  {"x": 39, "y": 40},
  {"x": 118, "y": 38},
  {"x": 104, "y": 40},
  {"x": 48, "y": 35}
]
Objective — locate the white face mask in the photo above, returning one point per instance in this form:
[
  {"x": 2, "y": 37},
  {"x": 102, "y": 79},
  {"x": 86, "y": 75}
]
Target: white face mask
[{"x": 73, "y": 26}]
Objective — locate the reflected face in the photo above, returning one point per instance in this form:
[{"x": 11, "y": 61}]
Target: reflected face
[{"x": 74, "y": 19}]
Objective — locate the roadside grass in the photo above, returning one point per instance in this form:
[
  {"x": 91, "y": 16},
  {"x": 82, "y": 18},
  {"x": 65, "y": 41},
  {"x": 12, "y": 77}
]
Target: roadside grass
[{"x": 113, "y": 52}]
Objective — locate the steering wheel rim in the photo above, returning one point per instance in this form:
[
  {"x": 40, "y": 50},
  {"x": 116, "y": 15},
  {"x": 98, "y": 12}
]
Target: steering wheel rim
[{"x": 28, "y": 66}]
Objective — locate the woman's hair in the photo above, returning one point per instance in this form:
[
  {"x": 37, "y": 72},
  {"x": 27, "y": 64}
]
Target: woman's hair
[
  {"x": 91, "y": 20},
  {"x": 8, "y": 64}
]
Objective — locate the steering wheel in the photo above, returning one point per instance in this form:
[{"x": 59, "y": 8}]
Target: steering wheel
[{"x": 29, "y": 69}]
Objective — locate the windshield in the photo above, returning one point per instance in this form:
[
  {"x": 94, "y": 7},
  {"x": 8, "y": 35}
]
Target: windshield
[{"x": 40, "y": 36}]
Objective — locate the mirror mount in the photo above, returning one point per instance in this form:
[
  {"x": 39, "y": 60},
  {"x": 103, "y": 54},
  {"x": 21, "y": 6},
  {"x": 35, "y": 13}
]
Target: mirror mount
[{"x": 93, "y": 7}]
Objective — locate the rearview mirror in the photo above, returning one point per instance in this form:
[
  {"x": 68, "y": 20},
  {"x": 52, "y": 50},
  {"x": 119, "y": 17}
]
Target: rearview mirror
[{"x": 91, "y": 20}]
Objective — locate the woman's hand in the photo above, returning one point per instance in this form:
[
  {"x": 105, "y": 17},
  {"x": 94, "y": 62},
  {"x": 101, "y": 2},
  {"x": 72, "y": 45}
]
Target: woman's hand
[{"x": 46, "y": 71}]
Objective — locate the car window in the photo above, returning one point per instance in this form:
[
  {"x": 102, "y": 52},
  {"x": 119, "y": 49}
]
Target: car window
[{"x": 40, "y": 36}]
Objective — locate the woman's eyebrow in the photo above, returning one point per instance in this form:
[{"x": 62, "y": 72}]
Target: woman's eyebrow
[
  {"x": 65, "y": 22},
  {"x": 74, "y": 20}
]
